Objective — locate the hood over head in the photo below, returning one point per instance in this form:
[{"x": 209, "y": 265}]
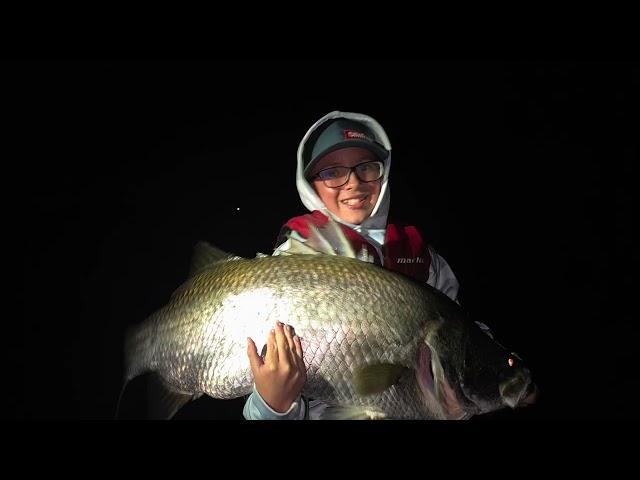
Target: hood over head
[{"x": 340, "y": 130}]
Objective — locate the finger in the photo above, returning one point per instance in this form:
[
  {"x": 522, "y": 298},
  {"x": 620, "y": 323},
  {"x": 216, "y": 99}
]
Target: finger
[
  {"x": 288, "y": 333},
  {"x": 271, "y": 357},
  {"x": 254, "y": 359},
  {"x": 298, "y": 354},
  {"x": 298, "y": 346},
  {"x": 283, "y": 344}
]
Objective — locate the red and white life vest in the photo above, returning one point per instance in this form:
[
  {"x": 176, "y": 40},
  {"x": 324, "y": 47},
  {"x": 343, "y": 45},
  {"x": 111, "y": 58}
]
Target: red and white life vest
[{"x": 404, "y": 250}]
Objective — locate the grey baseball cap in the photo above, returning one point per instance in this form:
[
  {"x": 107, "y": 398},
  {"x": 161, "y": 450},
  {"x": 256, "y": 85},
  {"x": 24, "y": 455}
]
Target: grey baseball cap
[{"x": 337, "y": 134}]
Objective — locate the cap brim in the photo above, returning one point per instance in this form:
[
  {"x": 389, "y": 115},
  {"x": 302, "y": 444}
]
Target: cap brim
[{"x": 378, "y": 151}]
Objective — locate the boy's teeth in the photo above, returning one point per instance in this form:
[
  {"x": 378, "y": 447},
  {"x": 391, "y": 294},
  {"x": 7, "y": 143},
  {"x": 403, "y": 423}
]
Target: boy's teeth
[{"x": 352, "y": 201}]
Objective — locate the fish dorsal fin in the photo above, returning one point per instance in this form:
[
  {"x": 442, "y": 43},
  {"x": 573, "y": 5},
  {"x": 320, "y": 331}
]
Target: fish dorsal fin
[
  {"x": 376, "y": 378},
  {"x": 328, "y": 239},
  {"x": 205, "y": 255}
]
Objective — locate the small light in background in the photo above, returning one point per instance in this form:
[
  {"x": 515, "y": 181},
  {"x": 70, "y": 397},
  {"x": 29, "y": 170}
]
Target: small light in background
[{"x": 238, "y": 209}]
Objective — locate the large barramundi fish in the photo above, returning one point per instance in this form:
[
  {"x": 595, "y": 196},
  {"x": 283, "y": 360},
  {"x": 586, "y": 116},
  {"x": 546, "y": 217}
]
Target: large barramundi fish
[{"x": 376, "y": 343}]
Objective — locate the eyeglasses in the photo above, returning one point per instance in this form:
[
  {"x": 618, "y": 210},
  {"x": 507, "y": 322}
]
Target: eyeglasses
[{"x": 366, "y": 172}]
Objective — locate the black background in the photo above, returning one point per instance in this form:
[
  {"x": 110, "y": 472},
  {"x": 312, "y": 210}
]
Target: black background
[{"x": 517, "y": 172}]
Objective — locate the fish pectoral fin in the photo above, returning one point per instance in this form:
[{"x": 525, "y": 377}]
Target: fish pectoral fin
[
  {"x": 206, "y": 255},
  {"x": 376, "y": 378},
  {"x": 351, "y": 413},
  {"x": 163, "y": 401}
]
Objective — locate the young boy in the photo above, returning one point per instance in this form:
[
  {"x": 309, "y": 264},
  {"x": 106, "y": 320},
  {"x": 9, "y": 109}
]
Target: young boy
[{"x": 343, "y": 173}]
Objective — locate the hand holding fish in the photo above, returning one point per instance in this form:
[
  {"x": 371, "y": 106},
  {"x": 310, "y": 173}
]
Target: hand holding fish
[{"x": 280, "y": 376}]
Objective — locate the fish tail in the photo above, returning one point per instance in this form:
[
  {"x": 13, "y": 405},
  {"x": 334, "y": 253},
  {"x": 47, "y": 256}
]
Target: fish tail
[
  {"x": 137, "y": 349},
  {"x": 137, "y": 354}
]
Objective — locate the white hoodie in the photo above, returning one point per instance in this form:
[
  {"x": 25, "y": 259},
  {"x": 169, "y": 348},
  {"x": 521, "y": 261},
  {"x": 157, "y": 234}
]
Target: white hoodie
[{"x": 374, "y": 230}]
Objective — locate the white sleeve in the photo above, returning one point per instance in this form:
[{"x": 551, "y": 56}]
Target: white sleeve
[
  {"x": 255, "y": 408},
  {"x": 441, "y": 277}
]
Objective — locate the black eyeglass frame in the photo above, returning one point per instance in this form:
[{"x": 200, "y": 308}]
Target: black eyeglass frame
[{"x": 351, "y": 169}]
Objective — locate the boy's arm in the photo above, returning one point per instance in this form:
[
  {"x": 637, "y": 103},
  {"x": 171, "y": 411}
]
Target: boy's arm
[
  {"x": 441, "y": 277},
  {"x": 255, "y": 408}
]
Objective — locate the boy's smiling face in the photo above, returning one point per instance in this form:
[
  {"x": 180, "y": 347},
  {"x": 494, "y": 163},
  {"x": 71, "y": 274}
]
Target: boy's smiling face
[{"x": 354, "y": 201}]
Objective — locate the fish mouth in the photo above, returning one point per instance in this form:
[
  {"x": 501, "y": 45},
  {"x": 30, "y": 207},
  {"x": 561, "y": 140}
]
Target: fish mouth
[
  {"x": 522, "y": 397},
  {"x": 530, "y": 395}
]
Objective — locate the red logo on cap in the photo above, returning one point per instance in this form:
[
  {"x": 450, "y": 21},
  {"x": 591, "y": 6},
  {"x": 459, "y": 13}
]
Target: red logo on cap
[{"x": 350, "y": 134}]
